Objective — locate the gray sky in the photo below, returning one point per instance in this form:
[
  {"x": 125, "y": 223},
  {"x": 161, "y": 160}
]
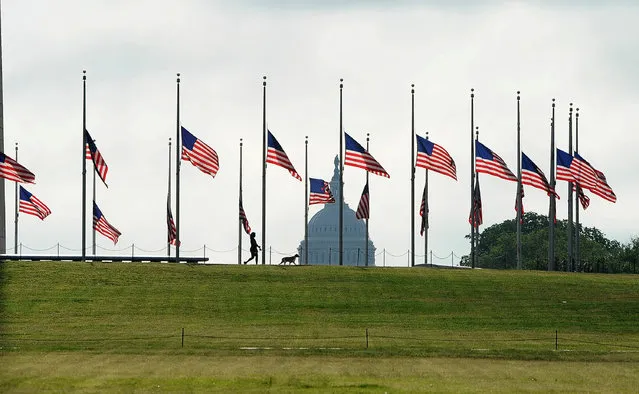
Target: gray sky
[{"x": 132, "y": 50}]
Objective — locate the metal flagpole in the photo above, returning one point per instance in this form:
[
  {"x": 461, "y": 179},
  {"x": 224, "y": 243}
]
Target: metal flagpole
[
  {"x": 476, "y": 235},
  {"x": 84, "y": 164},
  {"x": 264, "y": 171},
  {"x": 93, "y": 227},
  {"x": 576, "y": 252},
  {"x": 240, "y": 224},
  {"x": 341, "y": 177},
  {"x": 168, "y": 228},
  {"x": 472, "y": 175},
  {"x": 306, "y": 200},
  {"x": 178, "y": 152},
  {"x": 519, "y": 186},
  {"x": 570, "y": 198},
  {"x": 369, "y": 209},
  {"x": 412, "y": 176},
  {"x": 15, "y": 238},
  {"x": 553, "y": 202},
  {"x": 3, "y": 207},
  {"x": 425, "y": 210}
]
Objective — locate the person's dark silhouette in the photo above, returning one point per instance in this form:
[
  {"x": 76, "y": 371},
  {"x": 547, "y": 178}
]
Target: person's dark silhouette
[{"x": 254, "y": 248}]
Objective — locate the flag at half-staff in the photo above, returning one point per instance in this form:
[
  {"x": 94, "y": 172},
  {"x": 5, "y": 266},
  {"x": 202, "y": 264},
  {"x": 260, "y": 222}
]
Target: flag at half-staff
[
  {"x": 320, "y": 192},
  {"x": 363, "y": 209},
  {"x": 102, "y": 226},
  {"x": 357, "y": 156},
  {"x": 276, "y": 155},
  {"x": 476, "y": 218},
  {"x": 583, "y": 198},
  {"x": 423, "y": 212},
  {"x": 32, "y": 205},
  {"x": 93, "y": 154},
  {"x": 532, "y": 175},
  {"x": 602, "y": 189},
  {"x": 244, "y": 220},
  {"x": 433, "y": 157},
  {"x": 488, "y": 162},
  {"x": 13, "y": 171},
  {"x": 199, "y": 154},
  {"x": 579, "y": 171},
  {"x": 172, "y": 233}
]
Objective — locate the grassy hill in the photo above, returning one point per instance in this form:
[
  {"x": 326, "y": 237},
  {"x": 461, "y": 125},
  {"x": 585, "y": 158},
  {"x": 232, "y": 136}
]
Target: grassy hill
[{"x": 307, "y": 313}]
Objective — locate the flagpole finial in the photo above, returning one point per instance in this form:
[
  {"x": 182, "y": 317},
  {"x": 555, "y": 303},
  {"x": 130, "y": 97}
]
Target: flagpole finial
[
  {"x": 412, "y": 88},
  {"x": 577, "y": 114},
  {"x": 553, "y": 103},
  {"x": 476, "y": 132},
  {"x": 472, "y": 92},
  {"x": 518, "y": 95},
  {"x": 264, "y": 80},
  {"x": 341, "y": 83},
  {"x": 178, "y": 77},
  {"x": 427, "y": 134},
  {"x": 240, "y": 142},
  {"x": 84, "y": 75}
]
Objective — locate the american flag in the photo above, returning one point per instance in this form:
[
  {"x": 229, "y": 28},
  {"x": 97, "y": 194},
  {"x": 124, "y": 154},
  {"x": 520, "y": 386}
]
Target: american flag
[
  {"x": 423, "y": 212},
  {"x": 363, "y": 207},
  {"x": 433, "y": 157},
  {"x": 243, "y": 219},
  {"x": 357, "y": 156},
  {"x": 488, "y": 162},
  {"x": 564, "y": 161},
  {"x": 276, "y": 155},
  {"x": 320, "y": 192},
  {"x": 476, "y": 218},
  {"x": 583, "y": 172},
  {"x": 583, "y": 198},
  {"x": 521, "y": 217},
  {"x": 602, "y": 189},
  {"x": 31, "y": 205},
  {"x": 92, "y": 153},
  {"x": 11, "y": 170},
  {"x": 199, "y": 154},
  {"x": 172, "y": 230},
  {"x": 532, "y": 175},
  {"x": 101, "y": 225}
]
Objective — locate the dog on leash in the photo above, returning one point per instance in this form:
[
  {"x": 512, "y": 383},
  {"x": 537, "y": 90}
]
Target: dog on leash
[{"x": 289, "y": 259}]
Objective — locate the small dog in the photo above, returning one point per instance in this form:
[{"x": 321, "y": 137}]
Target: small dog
[{"x": 289, "y": 259}]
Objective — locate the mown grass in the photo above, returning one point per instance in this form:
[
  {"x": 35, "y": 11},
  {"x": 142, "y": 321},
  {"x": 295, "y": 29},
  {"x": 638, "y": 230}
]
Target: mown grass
[{"x": 309, "y": 314}]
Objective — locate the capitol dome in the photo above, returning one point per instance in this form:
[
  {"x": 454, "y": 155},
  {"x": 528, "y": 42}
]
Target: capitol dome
[{"x": 323, "y": 237}]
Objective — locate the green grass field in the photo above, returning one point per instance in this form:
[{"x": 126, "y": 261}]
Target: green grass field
[{"x": 119, "y": 327}]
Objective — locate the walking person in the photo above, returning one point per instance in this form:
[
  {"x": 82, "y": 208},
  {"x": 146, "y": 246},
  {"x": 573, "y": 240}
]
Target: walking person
[{"x": 254, "y": 248}]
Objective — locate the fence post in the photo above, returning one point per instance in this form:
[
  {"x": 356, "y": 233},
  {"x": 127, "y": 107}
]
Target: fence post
[
  {"x": 358, "y": 257},
  {"x": 367, "y": 338},
  {"x": 20, "y": 249},
  {"x": 132, "y": 251},
  {"x": 270, "y": 253},
  {"x": 384, "y": 256},
  {"x": 58, "y": 249},
  {"x": 451, "y": 259},
  {"x": 431, "y": 259},
  {"x": 330, "y": 253},
  {"x": 204, "y": 262},
  {"x": 408, "y": 257}
]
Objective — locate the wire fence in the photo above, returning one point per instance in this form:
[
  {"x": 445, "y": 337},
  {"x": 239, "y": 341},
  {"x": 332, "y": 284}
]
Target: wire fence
[
  {"x": 362, "y": 339},
  {"x": 382, "y": 258}
]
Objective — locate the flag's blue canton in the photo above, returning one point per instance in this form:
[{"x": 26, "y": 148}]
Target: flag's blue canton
[
  {"x": 320, "y": 192},
  {"x": 353, "y": 145},
  {"x": 188, "y": 139},
  {"x": 424, "y": 145}
]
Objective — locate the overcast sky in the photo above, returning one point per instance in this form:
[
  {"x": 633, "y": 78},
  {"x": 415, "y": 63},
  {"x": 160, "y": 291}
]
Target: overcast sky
[{"x": 585, "y": 54}]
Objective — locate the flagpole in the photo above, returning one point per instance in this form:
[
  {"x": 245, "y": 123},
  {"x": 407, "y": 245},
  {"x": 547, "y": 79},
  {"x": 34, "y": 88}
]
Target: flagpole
[
  {"x": 177, "y": 172},
  {"x": 15, "y": 238},
  {"x": 239, "y": 222},
  {"x": 553, "y": 202},
  {"x": 412, "y": 176},
  {"x": 264, "y": 170},
  {"x": 570, "y": 198},
  {"x": 306, "y": 200},
  {"x": 476, "y": 235},
  {"x": 93, "y": 227},
  {"x": 426, "y": 213},
  {"x": 3, "y": 207},
  {"x": 341, "y": 176},
  {"x": 519, "y": 185},
  {"x": 472, "y": 174},
  {"x": 84, "y": 164},
  {"x": 369, "y": 209},
  {"x": 168, "y": 227},
  {"x": 576, "y": 196}
]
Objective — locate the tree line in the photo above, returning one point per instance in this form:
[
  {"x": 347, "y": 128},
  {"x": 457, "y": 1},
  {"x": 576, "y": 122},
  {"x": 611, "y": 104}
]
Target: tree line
[{"x": 497, "y": 248}]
